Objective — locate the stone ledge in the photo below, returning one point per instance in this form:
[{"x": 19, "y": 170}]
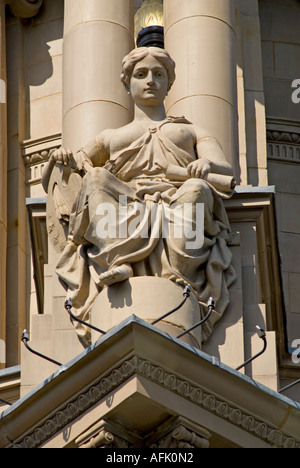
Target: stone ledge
[{"x": 135, "y": 368}]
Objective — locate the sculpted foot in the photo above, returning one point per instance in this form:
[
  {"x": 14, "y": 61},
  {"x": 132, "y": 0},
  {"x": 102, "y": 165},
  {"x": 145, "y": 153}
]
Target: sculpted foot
[{"x": 116, "y": 275}]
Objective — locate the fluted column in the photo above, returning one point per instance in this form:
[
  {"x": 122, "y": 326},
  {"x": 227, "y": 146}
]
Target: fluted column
[
  {"x": 200, "y": 36},
  {"x": 97, "y": 35},
  {"x": 3, "y": 186}
]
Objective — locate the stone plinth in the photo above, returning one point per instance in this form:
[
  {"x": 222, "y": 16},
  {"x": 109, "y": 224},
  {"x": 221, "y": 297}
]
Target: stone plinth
[{"x": 148, "y": 298}]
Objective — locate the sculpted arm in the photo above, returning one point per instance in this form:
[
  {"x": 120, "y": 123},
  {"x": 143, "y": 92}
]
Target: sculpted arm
[
  {"x": 95, "y": 154},
  {"x": 211, "y": 158}
]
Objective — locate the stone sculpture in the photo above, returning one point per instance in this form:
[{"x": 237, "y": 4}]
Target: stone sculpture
[{"x": 108, "y": 203}]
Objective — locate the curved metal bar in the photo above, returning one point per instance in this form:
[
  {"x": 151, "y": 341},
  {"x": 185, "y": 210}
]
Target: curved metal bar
[
  {"x": 68, "y": 307},
  {"x": 289, "y": 386},
  {"x": 211, "y": 307},
  {"x": 5, "y": 402},
  {"x": 186, "y": 293},
  {"x": 25, "y": 339},
  {"x": 256, "y": 356}
]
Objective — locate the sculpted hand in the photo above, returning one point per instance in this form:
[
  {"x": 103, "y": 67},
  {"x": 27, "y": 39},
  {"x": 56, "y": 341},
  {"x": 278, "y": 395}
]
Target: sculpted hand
[
  {"x": 199, "y": 169},
  {"x": 64, "y": 157}
]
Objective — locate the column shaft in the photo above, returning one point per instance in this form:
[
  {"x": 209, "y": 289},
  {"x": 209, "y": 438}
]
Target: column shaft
[
  {"x": 200, "y": 36},
  {"x": 97, "y": 35}
]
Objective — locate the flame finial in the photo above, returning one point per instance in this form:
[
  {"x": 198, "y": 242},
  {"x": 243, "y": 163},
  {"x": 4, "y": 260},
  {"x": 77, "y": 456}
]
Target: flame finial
[{"x": 151, "y": 13}]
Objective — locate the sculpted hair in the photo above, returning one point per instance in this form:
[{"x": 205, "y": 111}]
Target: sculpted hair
[{"x": 137, "y": 55}]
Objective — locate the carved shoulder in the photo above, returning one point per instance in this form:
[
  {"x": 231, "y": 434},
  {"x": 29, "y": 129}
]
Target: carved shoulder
[{"x": 97, "y": 151}]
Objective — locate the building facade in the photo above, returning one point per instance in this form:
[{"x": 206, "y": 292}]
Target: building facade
[{"x": 238, "y": 76}]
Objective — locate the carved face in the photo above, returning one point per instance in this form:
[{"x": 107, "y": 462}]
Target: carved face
[{"x": 149, "y": 82}]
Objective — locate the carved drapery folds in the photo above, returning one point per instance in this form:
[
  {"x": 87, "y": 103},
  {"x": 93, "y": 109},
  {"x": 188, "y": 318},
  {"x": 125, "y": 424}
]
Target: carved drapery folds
[{"x": 24, "y": 8}]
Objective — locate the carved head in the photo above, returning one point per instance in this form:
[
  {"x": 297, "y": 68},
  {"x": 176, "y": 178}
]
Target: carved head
[{"x": 138, "y": 55}]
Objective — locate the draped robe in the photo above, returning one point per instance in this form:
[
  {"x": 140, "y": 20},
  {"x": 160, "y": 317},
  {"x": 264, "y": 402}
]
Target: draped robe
[{"x": 136, "y": 177}]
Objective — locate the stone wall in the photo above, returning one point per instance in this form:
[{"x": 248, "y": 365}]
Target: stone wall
[{"x": 281, "y": 62}]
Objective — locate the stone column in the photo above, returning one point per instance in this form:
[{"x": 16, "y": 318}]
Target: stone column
[
  {"x": 97, "y": 35},
  {"x": 200, "y": 36},
  {"x": 3, "y": 186}
]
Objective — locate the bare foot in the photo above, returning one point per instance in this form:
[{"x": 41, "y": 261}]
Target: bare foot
[{"x": 116, "y": 275}]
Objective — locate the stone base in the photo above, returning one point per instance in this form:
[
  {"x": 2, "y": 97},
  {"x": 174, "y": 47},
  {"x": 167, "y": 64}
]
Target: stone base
[{"x": 148, "y": 298}]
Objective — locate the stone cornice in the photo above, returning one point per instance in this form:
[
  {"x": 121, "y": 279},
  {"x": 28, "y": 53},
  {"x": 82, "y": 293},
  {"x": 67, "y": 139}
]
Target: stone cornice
[
  {"x": 165, "y": 378},
  {"x": 283, "y": 146},
  {"x": 24, "y": 8},
  {"x": 36, "y": 153},
  {"x": 79, "y": 387},
  {"x": 283, "y": 136}
]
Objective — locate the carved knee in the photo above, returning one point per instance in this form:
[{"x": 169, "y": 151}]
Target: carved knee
[{"x": 199, "y": 191}]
